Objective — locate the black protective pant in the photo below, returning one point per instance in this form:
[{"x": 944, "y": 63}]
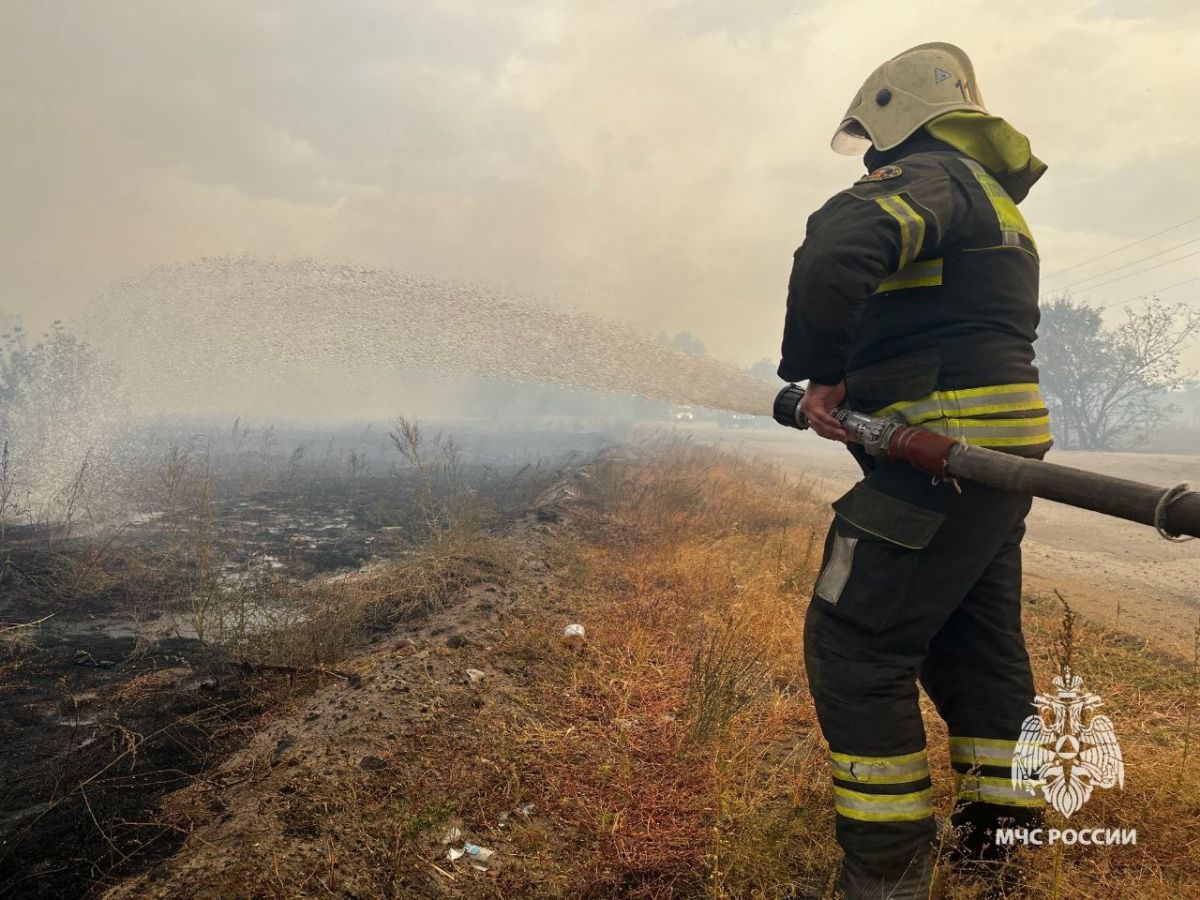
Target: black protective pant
[{"x": 919, "y": 582}]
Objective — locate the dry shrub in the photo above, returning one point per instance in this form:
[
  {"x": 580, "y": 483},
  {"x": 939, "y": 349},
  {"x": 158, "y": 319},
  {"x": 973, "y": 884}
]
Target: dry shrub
[
  {"x": 727, "y": 674},
  {"x": 17, "y": 639}
]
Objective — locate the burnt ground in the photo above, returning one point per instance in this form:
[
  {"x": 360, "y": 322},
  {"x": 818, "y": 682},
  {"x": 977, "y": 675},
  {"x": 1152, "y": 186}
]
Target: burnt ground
[
  {"x": 111, "y": 702},
  {"x": 88, "y": 751},
  {"x": 293, "y": 812}
]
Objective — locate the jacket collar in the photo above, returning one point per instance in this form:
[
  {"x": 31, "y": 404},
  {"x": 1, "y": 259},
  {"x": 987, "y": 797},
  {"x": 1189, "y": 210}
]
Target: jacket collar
[{"x": 989, "y": 140}]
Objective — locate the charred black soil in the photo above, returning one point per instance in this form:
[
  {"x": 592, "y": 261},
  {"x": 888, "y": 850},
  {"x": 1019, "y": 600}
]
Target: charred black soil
[{"x": 136, "y": 657}]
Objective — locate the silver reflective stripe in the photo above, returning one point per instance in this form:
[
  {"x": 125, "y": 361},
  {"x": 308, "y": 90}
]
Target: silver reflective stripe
[
  {"x": 982, "y": 751},
  {"x": 837, "y": 571},
  {"x": 880, "y": 769},
  {"x": 993, "y": 432},
  {"x": 883, "y": 807},
  {"x": 1000, "y": 791}
]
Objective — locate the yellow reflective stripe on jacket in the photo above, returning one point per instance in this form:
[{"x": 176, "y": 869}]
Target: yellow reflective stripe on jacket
[
  {"x": 984, "y": 416},
  {"x": 1000, "y": 791},
  {"x": 967, "y": 402},
  {"x": 883, "y": 807},
  {"x": 927, "y": 273},
  {"x": 982, "y": 751},
  {"x": 1012, "y": 224},
  {"x": 880, "y": 769},
  {"x": 912, "y": 226}
]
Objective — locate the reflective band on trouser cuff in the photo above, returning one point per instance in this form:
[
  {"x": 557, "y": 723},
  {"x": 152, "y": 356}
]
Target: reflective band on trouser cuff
[
  {"x": 912, "y": 226},
  {"x": 980, "y": 401},
  {"x": 883, "y": 807},
  {"x": 999, "y": 791},
  {"x": 993, "y": 432},
  {"x": 880, "y": 769},
  {"x": 927, "y": 273},
  {"x": 975, "y": 752}
]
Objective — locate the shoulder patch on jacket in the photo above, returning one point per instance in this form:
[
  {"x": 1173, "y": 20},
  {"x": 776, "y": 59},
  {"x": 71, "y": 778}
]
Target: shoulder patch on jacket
[{"x": 883, "y": 173}]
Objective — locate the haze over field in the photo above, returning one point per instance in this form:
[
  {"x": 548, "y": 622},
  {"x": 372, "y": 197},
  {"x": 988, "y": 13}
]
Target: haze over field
[
  {"x": 387, "y": 504},
  {"x": 652, "y": 162}
]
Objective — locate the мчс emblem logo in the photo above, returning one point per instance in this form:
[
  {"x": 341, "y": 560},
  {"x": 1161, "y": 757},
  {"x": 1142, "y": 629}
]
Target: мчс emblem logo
[
  {"x": 883, "y": 173},
  {"x": 1066, "y": 750}
]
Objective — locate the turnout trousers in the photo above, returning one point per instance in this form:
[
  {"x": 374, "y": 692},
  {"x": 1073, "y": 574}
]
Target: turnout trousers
[{"x": 920, "y": 582}]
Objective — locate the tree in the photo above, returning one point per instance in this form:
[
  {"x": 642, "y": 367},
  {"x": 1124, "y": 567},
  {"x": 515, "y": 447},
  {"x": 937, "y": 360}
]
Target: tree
[
  {"x": 766, "y": 370},
  {"x": 1104, "y": 387},
  {"x": 58, "y": 375},
  {"x": 686, "y": 342},
  {"x": 58, "y": 401}
]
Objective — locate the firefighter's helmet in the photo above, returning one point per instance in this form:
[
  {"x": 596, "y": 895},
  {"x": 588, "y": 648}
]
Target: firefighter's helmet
[{"x": 905, "y": 93}]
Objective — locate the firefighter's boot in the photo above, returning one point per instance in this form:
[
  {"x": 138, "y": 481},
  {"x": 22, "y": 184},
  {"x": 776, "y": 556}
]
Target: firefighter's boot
[{"x": 917, "y": 881}]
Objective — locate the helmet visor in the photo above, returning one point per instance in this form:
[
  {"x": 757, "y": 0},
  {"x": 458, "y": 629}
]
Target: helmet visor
[{"x": 851, "y": 139}]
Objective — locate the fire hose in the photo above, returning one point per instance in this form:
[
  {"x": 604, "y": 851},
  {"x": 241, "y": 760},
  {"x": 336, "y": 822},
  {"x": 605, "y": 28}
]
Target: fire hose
[{"x": 1174, "y": 511}]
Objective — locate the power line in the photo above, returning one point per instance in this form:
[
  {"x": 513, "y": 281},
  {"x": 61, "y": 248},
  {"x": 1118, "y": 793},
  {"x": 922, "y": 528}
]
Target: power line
[
  {"x": 1121, "y": 249},
  {"x": 1132, "y": 262},
  {"x": 1151, "y": 293},
  {"x": 1143, "y": 271}
]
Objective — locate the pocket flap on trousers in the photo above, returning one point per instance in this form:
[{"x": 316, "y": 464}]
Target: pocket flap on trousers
[{"x": 888, "y": 518}]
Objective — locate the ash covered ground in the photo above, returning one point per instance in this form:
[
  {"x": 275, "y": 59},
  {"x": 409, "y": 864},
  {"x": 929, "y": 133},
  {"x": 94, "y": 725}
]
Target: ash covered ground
[{"x": 196, "y": 586}]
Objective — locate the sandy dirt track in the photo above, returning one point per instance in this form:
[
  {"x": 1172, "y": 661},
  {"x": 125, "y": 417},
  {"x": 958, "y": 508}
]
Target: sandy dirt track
[{"x": 1114, "y": 572}]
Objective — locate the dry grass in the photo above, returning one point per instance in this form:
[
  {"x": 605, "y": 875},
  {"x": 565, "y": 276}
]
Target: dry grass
[
  {"x": 684, "y": 756},
  {"x": 1151, "y": 698},
  {"x": 678, "y": 754}
]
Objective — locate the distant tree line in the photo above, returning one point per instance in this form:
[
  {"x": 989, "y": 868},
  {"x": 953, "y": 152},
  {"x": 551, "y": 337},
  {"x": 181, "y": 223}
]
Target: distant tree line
[
  {"x": 56, "y": 397},
  {"x": 1108, "y": 387},
  {"x": 48, "y": 376}
]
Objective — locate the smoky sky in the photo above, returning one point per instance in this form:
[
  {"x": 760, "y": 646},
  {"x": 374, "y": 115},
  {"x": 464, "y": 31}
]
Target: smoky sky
[{"x": 653, "y": 162}]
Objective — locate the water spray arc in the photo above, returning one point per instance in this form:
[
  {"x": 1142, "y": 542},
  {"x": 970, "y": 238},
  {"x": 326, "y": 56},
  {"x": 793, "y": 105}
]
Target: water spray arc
[
  {"x": 227, "y": 330},
  {"x": 1174, "y": 511}
]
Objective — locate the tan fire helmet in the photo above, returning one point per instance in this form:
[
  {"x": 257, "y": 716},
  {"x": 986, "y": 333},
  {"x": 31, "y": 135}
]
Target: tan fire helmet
[{"x": 906, "y": 92}]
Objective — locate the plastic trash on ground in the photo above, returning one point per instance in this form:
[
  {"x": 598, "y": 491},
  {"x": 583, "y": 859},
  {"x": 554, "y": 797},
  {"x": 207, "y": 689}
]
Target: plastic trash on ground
[
  {"x": 573, "y": 637},
  {"x": 480, "y": 858}
]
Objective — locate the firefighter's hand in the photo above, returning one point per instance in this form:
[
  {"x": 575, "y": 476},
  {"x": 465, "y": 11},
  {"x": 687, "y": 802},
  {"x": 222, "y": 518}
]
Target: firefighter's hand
[{"x": 819, "y": 402}]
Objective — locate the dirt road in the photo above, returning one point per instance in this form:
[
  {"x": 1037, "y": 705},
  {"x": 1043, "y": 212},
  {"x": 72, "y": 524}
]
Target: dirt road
[{"x": 1114, "y": 572}]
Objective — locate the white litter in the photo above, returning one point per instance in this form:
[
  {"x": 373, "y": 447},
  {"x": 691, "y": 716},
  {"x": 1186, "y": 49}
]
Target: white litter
[
  {"x": 477, "y": 853},
  {"x": 573, "y": 637}
]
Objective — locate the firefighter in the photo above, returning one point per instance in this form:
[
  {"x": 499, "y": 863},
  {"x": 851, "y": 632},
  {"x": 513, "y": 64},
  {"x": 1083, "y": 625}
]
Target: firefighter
[{"x": 914, "y": 295}]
